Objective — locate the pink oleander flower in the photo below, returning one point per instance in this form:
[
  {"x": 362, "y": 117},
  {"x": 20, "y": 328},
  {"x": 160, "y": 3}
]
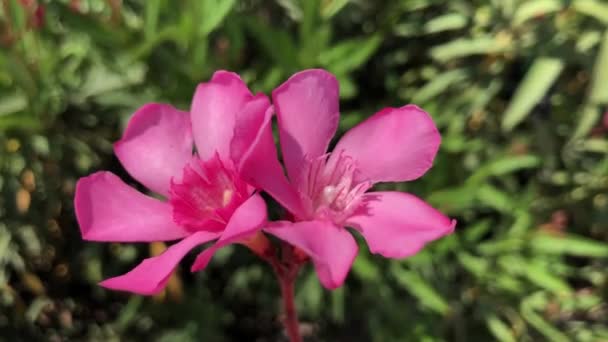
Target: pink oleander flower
[
  {"x": 326, "y": 192},
  {"x": 204, "y": 196}
]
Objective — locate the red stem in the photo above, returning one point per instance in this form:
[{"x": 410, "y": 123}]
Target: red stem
[
  {"x": 286, "y": 268},
  {"x": 290, "y": 321}
]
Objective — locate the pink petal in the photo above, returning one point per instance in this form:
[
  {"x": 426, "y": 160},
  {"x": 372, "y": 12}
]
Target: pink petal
[
  {"x": 331, "y": 248},
  {"x": 260, "y": 166},
  {"x": 248, "y": 126},
  {"x": 397, "y": 224},
  {"x": 307, "y": 106},
  {"x": 213, "y": 111},
  {"x": 246, "y": 220},
  {"x": 152, "y": 274},
  {"x": 109, "y": 210},
  {"x": 156, "y": 145},
  {"x": 394, "y": 145}
]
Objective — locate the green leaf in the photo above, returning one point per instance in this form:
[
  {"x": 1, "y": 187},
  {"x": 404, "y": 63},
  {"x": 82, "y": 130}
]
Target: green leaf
[
  {"x": 332, "y": 7},
  {"x": 128, "y": 314},
  {"x": 277, "y": 44},
  {"x": 365, "y": 269},
  {"x": 539, "y": 78},
  {"x": 530, "y": 9},
  {"x": 499, "y": 329},
  {"x": 475, "y": 232},
  {"x": 350, "y": 54},
  {"x": 495, "y": 198},
  {"x": 476, "y": 265},
  {"x": 500, "y": 246},
  {"x": 12, "y": 103},
  {"x": 537, "y": 321},
  {"x": 214, "y": 13},
  {"x": 18, "y": 120},
  {"x": 542, "y": 277},
  {"x": 309, "y": 296},
  {"x": 503, "y": 166},
  {"x": 593, "y": 8},
  {"x": 292, "y": 8},
  {"x": 590, "y": 114},
  {"x": 337, "y": 304},
  {"x": 453, "y": 200},
  {"x": 101, "y": 80},
  {"x": 152, "y": 11},
  {"x": 446, "y": 22},
  {"x": 310, "y": 20},
  {"x": 463, "y": 47},
  {"x": 599, "y": 85},
  {"x": 569, "y": 245},
  {"x": 17, "y": 14},
  {"x": 438, "y": 85},
  {"x": 420, "y": 289}
]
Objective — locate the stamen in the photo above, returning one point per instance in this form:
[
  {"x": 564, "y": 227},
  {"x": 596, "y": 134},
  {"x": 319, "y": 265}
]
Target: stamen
[
  {"x": 328, "y": 187},
  {"x": 207, "y": 195}
]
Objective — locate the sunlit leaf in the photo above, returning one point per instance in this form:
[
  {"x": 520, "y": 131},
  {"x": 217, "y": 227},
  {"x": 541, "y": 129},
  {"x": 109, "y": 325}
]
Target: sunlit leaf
[
  {"x": 535, "y": 85},
  {"x": 463, "y": 47},
  {"x": 569, "y": 245},
  {"x": 535, "y": 8}
]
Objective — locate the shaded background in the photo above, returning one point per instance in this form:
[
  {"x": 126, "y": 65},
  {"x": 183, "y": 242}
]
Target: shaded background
[{"x": 518, "y": 89}]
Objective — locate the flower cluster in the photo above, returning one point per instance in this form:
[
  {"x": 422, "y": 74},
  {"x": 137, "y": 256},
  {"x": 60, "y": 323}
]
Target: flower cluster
[{"x": 209, "y": 165}]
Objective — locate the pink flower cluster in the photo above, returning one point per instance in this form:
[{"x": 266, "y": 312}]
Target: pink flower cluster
[{"x": 209, "y": 164}]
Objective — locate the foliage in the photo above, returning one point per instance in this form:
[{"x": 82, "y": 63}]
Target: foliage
[{"x": 517, "y": 88}]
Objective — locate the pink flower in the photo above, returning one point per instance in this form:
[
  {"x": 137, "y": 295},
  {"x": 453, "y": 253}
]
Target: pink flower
[
  {"x": 325, "y": 192},
  {"x": 205, "y": 198}
]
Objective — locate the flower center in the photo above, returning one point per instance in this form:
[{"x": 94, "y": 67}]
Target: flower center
[
  {"x": 207, "y": 195},
  {"x": 329, "y": 188}
]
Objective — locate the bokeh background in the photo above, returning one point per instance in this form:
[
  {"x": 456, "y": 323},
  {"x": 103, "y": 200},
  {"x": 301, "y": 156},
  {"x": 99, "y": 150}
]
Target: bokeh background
[{"x": 518, "y": 89}]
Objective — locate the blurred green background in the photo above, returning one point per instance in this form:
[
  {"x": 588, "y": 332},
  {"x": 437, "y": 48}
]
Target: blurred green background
[{"x": 518, "y": 89}]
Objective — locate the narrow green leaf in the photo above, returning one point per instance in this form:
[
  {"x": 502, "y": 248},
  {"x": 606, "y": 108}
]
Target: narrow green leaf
[
  {"x": 420, "y": 289},
  {"x": 499, "y": 329},
  {"x": 366, "y": 270},
  {"x": 476, "y": 265},
  {"x": 332, "y": 7},
  {"x": 587, "y": 41},
  {"x": 438, "y": 85},
  {"x": 569, "y": 245},
  {"x": 540, "y": 276},
  {"x": 12, "y": 103},
  {"x": 128, "y": 313},
  {"x": 466, "y": 47},
  {"x": 310, "y": 20},
  {"x": 593, "y": 8},
  {"x": 292, "y": 8},
  {"x": 152, "y": 11},
  {"x": 309, "y": 296},
  {"x": 495, "y": 198},
  {"x": 590, "y": 114},
  {"x": 503, "y": 166},
  {"x": 17, "y": 14},
  {"x": 539, "y": 78},
  {"x": 500, "y": 246},
  {"x": 599, "y": 85},
  {"x": 475, "y": 232},
  {"x": 453, "y": 200},
  {"x": 538, "y": 322},
  {"x": 337, "y": 304},
  {"x": 214, "y": 13},
  {"x": 530, "y": 9},
  {"x": 446, "y": 22},
  {"x": 102, "y": 80},
  {"x": 277, "y": 44},
  {"x": 350, "y": 54}
]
